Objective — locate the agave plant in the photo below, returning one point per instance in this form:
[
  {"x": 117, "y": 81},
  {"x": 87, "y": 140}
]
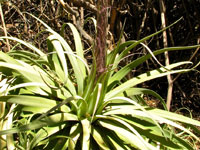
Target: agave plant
[{"x": 61, "y": 105}]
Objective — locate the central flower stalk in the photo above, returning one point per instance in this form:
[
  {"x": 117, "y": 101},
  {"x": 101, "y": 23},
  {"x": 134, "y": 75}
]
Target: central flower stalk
[{"x": 100, "y": 41}]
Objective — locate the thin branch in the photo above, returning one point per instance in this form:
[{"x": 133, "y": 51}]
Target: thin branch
[
  {"x": 143, "y": 19},
  {"x": 169, "y": 77},
  {"x": 84, "y": 33},
  {"x": 4, "y": 28},
  {"x": 78, "y": 22},
  {"x": 85, "y": 4},
  {"x": 68, "y": 8}
]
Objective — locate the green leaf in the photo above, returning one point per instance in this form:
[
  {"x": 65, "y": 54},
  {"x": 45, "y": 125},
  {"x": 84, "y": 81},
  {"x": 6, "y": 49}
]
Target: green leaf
[
  {"x": 29, "y": 100},
  {"x": 145, "y": 77},
  {"x": 92, "y": 99},
  {"x": 149, "y": 129},
  {"x": 79, "y": 48},
  {"x": 125, "y": 52},
  {"x": 139, "y": 91},
  {"x": 97, "y": 98},
  {"x": 43, "y": 133},
  {"x": 6, "y": 58},
  {"x": 32, "y": 73},
  {"x": 68, "y": 100},
  {"x": 74, "y": 62},
  {"x": 75, "y": 132},
  {"x": 160, "y": 120},
  {"x": 123, "y": 133},
  {"x": 54, "y": 61},
  {"x": 60, "y": 52},
  {"x": 76, "y": 68},
  {"x": 82, "y": 109},
  {"x": 99, "y": 138},
  {"x": 174, "y": 116},
  {"x": 52, "y": 120},
  {"x": 86, "y": 134},
  {"x": 28, "y": 45},
  {"x": 129, "y": 67}
]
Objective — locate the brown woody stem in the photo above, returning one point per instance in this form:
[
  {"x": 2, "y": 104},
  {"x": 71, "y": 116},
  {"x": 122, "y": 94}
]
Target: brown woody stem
[{"x": 100, "y": 41}]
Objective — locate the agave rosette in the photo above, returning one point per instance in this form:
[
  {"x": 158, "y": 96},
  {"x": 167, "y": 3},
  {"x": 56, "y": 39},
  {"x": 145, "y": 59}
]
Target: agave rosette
[{"x": 58, "y": 99}]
